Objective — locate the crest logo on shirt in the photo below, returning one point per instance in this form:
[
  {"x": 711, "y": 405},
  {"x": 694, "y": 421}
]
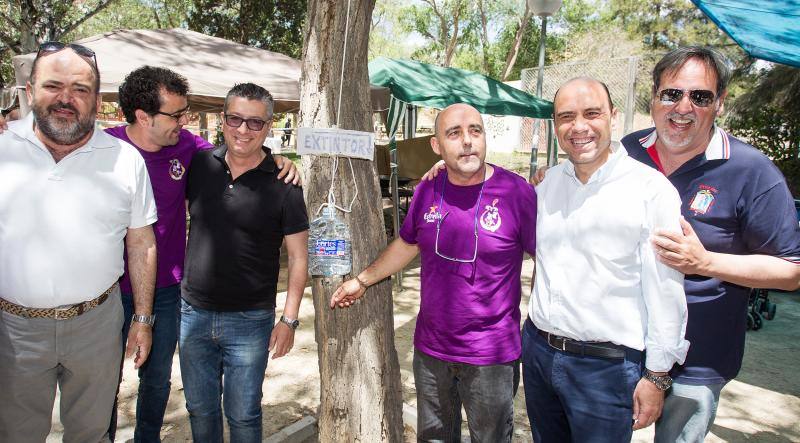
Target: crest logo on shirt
[
  {"x": 490, "y": 219},
  {"x": 432, "y": 216},
  {"x": 176, "y": 169},
  {"x": 703, "y": 200}
]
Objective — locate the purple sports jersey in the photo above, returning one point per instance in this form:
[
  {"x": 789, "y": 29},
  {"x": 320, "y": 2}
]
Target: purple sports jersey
[
  {"x": 168, "y": 171},
  {"x": 469, "y": 312}
]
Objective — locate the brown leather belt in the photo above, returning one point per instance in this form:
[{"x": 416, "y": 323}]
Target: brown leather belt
[
  {"x": 64, "y": 313},
  {"x": 583, "y": 348}
]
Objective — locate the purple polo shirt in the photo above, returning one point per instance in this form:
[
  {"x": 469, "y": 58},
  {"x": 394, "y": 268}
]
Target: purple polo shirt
[
  {"x": 168, "y": 173},
  {"x": 469, "y": 312},
  {"x": 737, "y": 202}
]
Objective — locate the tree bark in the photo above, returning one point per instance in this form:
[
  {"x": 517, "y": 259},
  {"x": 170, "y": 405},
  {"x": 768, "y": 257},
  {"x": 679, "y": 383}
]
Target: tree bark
[{"x": 360, "y": 390}]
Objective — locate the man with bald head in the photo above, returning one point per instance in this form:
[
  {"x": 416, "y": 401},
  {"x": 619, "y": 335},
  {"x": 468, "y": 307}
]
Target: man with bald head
[
  {"x": 606, "y": 318},
  {"x": 71, "y": 196},
  {"x": 471, "y": 227}
]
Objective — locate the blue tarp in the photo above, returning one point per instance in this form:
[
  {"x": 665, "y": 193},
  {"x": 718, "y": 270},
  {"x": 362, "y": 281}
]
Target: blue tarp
[{"x": 766, "y": 29}]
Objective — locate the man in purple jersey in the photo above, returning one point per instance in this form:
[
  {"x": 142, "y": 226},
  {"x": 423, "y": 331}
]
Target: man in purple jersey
[
  {"x": 471, "y": 226},
  {"x": 154, "y": 101}
]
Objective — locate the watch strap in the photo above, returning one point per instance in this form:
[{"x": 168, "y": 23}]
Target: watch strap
[
  {"x": 291, "y": 323},
  {"x": 662, "y": 382},
  {"x": 146, "y": 319}
]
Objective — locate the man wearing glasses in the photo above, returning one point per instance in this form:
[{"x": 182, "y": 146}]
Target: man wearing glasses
[
  {"x": 240, "y": 214},
  {"x": 154, "y": 101},
  {"x": 70, "y": 198},
  {"x": 740, "y": 229},
  {"x": 471, "y": 227}
]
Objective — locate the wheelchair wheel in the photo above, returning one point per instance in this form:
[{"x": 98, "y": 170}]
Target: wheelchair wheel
[
  {"x": 750, "y": 321},
  {"x": 770, "y": 310},
  {"x": 757, "y": 322}
]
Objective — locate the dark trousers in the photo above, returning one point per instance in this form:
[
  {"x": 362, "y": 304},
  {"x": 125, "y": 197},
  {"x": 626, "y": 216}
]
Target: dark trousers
[
  {"x": 577, "y": 398},
  {"x": 155, "y": 373},
  {"x": 487, "y": 393}
]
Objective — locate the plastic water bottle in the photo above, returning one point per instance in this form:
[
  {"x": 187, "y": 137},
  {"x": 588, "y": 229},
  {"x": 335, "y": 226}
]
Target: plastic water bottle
[{"x": 329, "y": 245}]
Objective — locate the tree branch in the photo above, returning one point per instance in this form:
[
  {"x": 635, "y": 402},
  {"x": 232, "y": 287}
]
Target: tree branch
[
  {"x": 13, "y": 45},
  {"x": 70, "y": 27},
  {"x": 8, "y": 20}
]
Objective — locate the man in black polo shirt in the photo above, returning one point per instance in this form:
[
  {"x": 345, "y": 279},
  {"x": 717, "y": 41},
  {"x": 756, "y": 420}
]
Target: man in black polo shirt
[{"x": 240, "y": 215}]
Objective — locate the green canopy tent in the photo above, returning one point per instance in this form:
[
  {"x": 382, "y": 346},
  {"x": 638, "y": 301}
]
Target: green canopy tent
[{"x": 412, "y": 83}]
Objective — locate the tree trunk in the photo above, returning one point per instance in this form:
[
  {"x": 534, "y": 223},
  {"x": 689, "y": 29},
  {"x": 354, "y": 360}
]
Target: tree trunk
[
  {"x": 484, "y": 39},
  {"x": 361, "y": 397},
  {"x": 511, "y": 59}
]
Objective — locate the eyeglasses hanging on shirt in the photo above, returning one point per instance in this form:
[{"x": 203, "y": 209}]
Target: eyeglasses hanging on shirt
[{"x": 444, "y": 216}]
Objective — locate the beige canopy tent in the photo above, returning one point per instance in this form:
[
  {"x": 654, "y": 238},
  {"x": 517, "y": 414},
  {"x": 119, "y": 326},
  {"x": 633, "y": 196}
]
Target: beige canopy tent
[{"x": 212, "y": 65}]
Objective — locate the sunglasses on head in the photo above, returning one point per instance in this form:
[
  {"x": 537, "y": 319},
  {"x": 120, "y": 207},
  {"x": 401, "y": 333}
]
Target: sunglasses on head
[
  {"x": 700, "y": 97},
  {"x": 51, "y": 47},
  {"x": 253, "y": 124}
]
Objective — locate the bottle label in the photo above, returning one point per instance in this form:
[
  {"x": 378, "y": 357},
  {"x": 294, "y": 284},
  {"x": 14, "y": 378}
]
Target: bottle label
[{"x": 329, "y": 248}]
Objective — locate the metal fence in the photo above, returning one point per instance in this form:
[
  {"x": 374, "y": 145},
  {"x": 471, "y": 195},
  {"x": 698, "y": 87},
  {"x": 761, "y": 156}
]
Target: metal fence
[{"x": 628, "y": 80}]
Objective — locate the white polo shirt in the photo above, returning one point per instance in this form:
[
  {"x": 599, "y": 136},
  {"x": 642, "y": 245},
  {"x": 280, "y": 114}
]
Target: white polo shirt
[{"x": 62, "y": 225}]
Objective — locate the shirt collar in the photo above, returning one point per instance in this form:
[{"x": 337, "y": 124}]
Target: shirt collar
[
  {"x": 266, "y": 165},
  {"x": 24, "y": 129},
  {"x": 617, "y": 152},
  {"x": 719, "y": 148}
]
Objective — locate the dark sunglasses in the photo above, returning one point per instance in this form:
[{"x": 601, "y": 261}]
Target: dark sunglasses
[
  {"x": 700, "y": 97},
  {"x": 51, "y": 47},
  {"x": 253, "y": 124},
  {"x": 177, "y": 115}
]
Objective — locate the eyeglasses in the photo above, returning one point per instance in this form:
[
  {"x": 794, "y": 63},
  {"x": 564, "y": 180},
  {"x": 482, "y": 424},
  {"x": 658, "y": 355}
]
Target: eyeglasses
[
  {"x": 51, "y": 47},
  {"x": 253, "y": 124},
  {"x": 444, "y": 216},
  {"x": 177, "y": 115},
  {"x": 700, "y": 97}
]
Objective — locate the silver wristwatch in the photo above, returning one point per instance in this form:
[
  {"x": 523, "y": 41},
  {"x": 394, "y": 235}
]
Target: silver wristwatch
[
  {"x": 662, "y": 382},
  {"x": 146, "y": 319},
  {"x": 291, "y": 323}
]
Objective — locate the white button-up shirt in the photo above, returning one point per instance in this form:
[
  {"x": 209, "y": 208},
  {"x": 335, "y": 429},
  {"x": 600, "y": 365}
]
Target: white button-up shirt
[
  {"x": 597, "y": 276},
  {"x": 62, "y": 225}
]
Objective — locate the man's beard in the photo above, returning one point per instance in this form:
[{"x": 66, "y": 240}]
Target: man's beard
[{"x": 62, "y": 131}]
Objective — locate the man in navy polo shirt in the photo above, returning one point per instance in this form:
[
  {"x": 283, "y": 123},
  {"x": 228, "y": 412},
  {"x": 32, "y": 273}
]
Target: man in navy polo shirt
[{"x": 739, "y": 229}]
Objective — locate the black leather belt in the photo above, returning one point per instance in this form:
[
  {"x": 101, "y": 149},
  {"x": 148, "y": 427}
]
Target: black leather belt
[{"x": 583, "y": 348}]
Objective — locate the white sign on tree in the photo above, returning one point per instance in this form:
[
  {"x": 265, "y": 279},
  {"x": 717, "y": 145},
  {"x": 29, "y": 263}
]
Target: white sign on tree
[{"x": 329, "y": 141}]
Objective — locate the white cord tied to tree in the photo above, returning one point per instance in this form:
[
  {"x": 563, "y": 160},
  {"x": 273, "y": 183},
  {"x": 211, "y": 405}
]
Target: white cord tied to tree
[{"x": 331, "y": 196}]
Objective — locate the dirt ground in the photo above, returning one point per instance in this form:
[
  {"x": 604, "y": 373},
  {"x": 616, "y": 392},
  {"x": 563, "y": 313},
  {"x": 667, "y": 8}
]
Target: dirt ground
[{"x": 761, "y": 405}]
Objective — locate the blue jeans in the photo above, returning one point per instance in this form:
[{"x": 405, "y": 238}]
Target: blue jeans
[
  {"x": 233, "y": 344},
  {"x": 487, "y": 393},
  {"x": 577, "y": 398},
  {"x": 688, "y": 413},
  {"x": 154, "y": 374}
]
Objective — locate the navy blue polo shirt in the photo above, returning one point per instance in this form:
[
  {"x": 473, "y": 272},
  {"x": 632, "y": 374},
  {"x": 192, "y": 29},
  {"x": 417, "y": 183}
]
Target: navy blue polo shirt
[
  {"x": 236, "y": 231},
  {"x": 737, "y": 202}
]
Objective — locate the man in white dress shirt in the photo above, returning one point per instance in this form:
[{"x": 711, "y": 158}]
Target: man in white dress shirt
[{"x": 600, "y": 298}]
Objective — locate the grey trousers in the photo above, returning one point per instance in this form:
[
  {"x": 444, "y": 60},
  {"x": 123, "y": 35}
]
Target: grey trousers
[
  {"x": 487, "y": 393},
  {"x": 80, "y": 355}
]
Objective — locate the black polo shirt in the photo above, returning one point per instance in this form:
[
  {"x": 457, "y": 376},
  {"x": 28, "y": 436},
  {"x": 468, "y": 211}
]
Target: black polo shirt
[{"x": 237, "y": 227}]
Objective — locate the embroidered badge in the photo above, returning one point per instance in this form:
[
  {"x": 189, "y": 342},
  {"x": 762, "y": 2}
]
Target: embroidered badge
[
  {"x": 432, "y": 215},
  {"x": 490, "y": 219},
  {"x": 176, "y": 169},
  {"x": 703, "y": 200}
]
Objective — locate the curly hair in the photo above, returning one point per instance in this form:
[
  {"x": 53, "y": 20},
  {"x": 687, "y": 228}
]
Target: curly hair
[{"x": 142, "y": 87}]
